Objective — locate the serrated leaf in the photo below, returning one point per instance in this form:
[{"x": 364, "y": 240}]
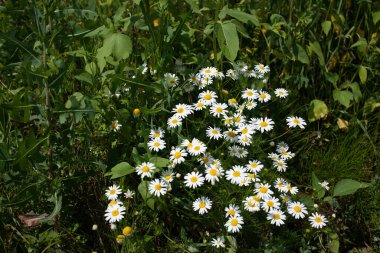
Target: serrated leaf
[
  {"x": 120, "y": 170},
  {"x": 159, "y": 161},
  {"x": 363, "y": 74},
  {"x": 316, "y": 48},
  {"x": 326, "y": 27},
  {"x": 317, "y": 110},
  {"x": 228, "y": 40},
  {"x": 145, "y": 194},
  {"x": 348, "y": 186},
  {"x": 344, "y": 97}
]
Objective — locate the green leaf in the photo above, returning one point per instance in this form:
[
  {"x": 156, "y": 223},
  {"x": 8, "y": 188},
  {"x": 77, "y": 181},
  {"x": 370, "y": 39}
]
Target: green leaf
[
  {"x": 302, "y": 55},
  {"x": 343, "y": 96},
  {"x": 120, "y": 170},
  {"x": 362, "y": 42},
  {"x": 317, "y": 110},
  {"x": 326, "y": 26},
  {"x": 57, "y": 207},
  {"x": 316, "y": 48},
  {"x": 228, "y": 40},
  {"x": 243, "y": 16},
  {"x": 334, "y": 242},
  {"x": 34, "y": 145},
  {"x": 376, "y": 17},
  {"x": 332, "y": 77},
  {"x": 316, "y": 186},
  {"x": 194, "y": 6},
  {"x": 233, "y": 244},
  {"x": 159, "y": 161},
  {"x": 348, "y": 186},
  {"x": 356, "y": 91},
  {"x": 363, "y": 74},
  {"x": 145, "y": 194}
]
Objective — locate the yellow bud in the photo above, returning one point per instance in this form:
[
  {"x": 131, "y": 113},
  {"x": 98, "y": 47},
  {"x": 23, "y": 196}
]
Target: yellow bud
[
  {"x": 156, "y": 22},
  {"x": 225, "y": 92},
  {"x": 136, "y": 112},
  {"x": 127, "y": 231},
  {"x": 120, "y": 239}
]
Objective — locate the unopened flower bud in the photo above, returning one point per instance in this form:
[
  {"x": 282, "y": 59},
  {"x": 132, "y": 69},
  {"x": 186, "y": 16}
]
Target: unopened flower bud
[{"x": 94, "y": 227}]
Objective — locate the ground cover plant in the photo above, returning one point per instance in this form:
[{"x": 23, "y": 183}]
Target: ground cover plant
[{"x": 189, "y": 126}]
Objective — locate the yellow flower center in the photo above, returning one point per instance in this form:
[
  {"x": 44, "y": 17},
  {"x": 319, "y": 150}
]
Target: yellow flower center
[
  {"x": 237, "y": 119},
  {"x": 270, "y": 203},
  {"x": 249, "y": 93},
  {"x": 213, "y": 172},
  {"x": 244, "y": 131},
  {"x": 202, "y": 205},
  {"x": 251, "y": 175},
  {"x": 231, "y": 134},
  {"x": 251, "y": 203},
  {"x": 156, "y": 144},
  {"x": 219, "y": 109},
  {"x": 174, "y": 121},
  {"x": 297, "y": 209},
  {"x": 233, "y": 101},
  {"x": 284, "y": 152},
  {"x": 262, "y": 68},
  {"x": 205, "y": 159},
  {"x": 112, "y": 192},
  {"x": 156, "y": 135},
  {"x": 197, "y": 148},
  {"x": 114, "y": 125},
  {"x": 214, "y": 131},
  {"x": 168, "y": 177},
  {"x": 157, "y": 187},
  {"x": 180, "y": 110},
  {"x": 200, "y": 104},
  {"x": 207, "y": 71},
  {"x": 257, "y": 198},
  {"x": 113, "y": 202},
  {"x": 296, "y": 121},
  {"x": 145, "y": 169},
  {"x": 236, "y": 174},
  {"x": 253, "y": 165},
  {"x": 177, "y": 155},
  {"x": 276, "y": 216},
  {"x": 263, "y": 189},
  {"x": 231, "y": 212},
  {"x": 318, "y": 219},
  {"x": 194, "y": 179},
  {"x": 127, "y": 230},
  {"x": 115, "y": 212},
  {"x": 263, "y": 124},
  {"x": 207, "y": 96},
  {"x": 189, "y": 145},
  {"x": 263, "y": 96},
  {"x": 228, "y": 121},
  {"x": 234, "y": 222}
]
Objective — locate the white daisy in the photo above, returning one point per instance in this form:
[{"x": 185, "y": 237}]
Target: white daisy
[
  {"x": 218, "y": 109},
  {"x": 241, "y": 66},
  {"x": 214, "y": 133},
  {"x": 157, "y": 187},
  {"x": 236, "y": 174},
  {"x": 230, "y": 135},
  {"x": 281, "y": 93},
  {"x": 264, "y": 96},
  {"x": 145, "y": 169},
  {"x": 294, "y": 121},
  {"x": 264, "y": 124},
  {"x": 263, "y": 191},
  {"x": 202, "y": 205},
  {"x": 156, "y": 133},
  {"x": 208, "y": 97},
  {"x": 254, "y": 166},
  {"x": 261, "y": 68},
  {"x": 285, "y": 198},
  {"x": 241, "y": 152},
  {"x": 197, "y": 148},
  {"x": 246, "y": 130},
  {"x": 129, "y": 194},
  {"x": 115, "y": 126},
  {"x": 285, "y": 153},
  {"x": 213, "y": 173},
  {"x": 270, "y": 203},
  {"x": 234, "y": 224},
  {"x": 219, "y": 75},
  {"x": 233, "y": 74},
  {"x": 279, "y": 184},
  {"x": 280, "y": 165},
  {"x": 115, "y": 202},
  {"x": 288, "y": 188},
  {"x": 199, "y": 106},
  {"x": 218, "y": 242},
  {"x": 249, "y": 73},
  {"x": 297, "y": 210},
  {"x": 113, "y": 192},
  {"x": 171, "y": 79},
  {"x": 276, "y": 217},
  {"x": 251, "y": 205},
  {"x": 232, "y": 210},
  {"x": 174, "y": 121},
  {"x": 282, "y": 145},
  {"x": 177, "y": 155},
  {"x": 250, "y": 105},
  {"x": 228, "y": 121},
  {"x": 182, "y": 110},
  {"x": 244, "y": 140},
  {"x": 238, "y": 119},
  {"x": 156, "y": 144},
  {"x": 209, "y": 71},
  {"x": 167, "y": 176},
  {"x": 250, "y": 94},
  {"x": 114, "y": 213},
  {"x": 317, "y": 220},
  {"x": 194, "y": 179},
  {"x": 233, "y": 102}
]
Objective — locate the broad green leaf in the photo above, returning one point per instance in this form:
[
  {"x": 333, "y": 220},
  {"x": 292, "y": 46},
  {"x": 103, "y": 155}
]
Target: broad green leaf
[
  {"x": 91, "y": 68},
  {"x": 316, "y": 48},
  {"x": 317, "y": 110},
  {"x": 343, "y": 96},
  {"x": 228, "y": 40},
  {"x": 145, "y": 194},
  {"x": 243, "y": 16},
  {"x": 370, "y": 105},
  {"x": 376, "y": 17},
  {"x": 159, "y": 161},
  {"x": 332, "y": 77},
  {"x": 356, "y": 91},
  {"x": 363, "y": 74},
  {"x": 362, "y": 42},
  {"x": 334, "y": 242},
  {"x": 120, "y": 170},
  {"x": 302, "y": 55},
  {"x": 348, "y": 186},
  {"x": 326, "y": 26},
  {"x": 84, "y": 77},
  {"x": 121, "y": 45}
]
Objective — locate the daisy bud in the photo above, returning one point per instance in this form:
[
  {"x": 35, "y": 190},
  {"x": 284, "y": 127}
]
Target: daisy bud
[
  {"x": 94, "y": 227},
  {"x": 136, "y": 112},
  {"x": 113, "y": 226},
  {"x": 178, "y": 175},
  {"x": 272, "y": 143},
  {"x": 127, "y": 231},
  {"x": 265, "y": 81},
  {"x": 333, "y": 215},
  {"x": 225, "y": 92},
  {"x": 315, "y": 205}
]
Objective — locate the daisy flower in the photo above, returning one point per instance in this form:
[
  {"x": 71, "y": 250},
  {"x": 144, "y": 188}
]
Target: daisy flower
[
  {"x": 233, "y": 102},
  {"x": 285, "y": 154},
  {"x": 263, "y": 191},
  {"x": 233, "y": 74},
  {"x": 194, "y": 179},
  {"x": 219, "y": 75},
  {"x": 254, "y": 166},
  {"x": 230, "y": 135},
  {"x": 274, "y": 156},
  {"x": 115, "y": 126},
  {"x": 285, "y": 198},
  {"x": 171, "y": 79},
  {"x": 297, "y": 210},
  {"x": 218, "y": 109},
  {"x": 167, "y": 176},
  {"x": 228, "y": 121},
  {"x": 209, "y": 71},
  {"x": 182, "y": 110},
  {"x": 145, "y": 169},
  {"x": 114, "y": 213},
  {"x": 213, "y": 173},
  {"x": 156, "y": 133},
  {"x": 174, "y": 121},
  {"x": 294, "y": 121},
  {"x": 279, "y": 184},
  {"x": 264, "y": 96},
  {"x": 202, "y": 205},
  {"x": 208, "y": 97},
  {"x": 264, "y": 124},
  {"x": 250, "y": 94},
  {"x": 232, "y": 210},
  {"x": 197, "y": 148},
  {"x": 282, "y": 145},
  {"x": 317, "y": 220},
  {"x": 241, "y": 66},
  {"x": 206, "y": 159},
  {"x": 250, "y": 105},
  {"x": 251, "y": 205},
  {"x": 199, "y": 106},
  {"x": 129, "y": 194},
  {"x": 236, "y": 174},
  {"x": 156, "y": 144},
  {"x": 113, "y": 191},
  {"x": 244, "y": 140},
  {"x": 292, "y": 189},
  {"x": 214, "y": 133},
  {"x": 238, "y": 119},
  {"x": 270, "y": 203},
  {"x": 114, "y": 203},
  {"x": 280, "y": 165},
  {"x": 193, "y": 78},
  {"x": 178, "y": 155},
  {"x": 241, "y": 152},
  {"x": 246, "y": 130},
  {"x": 206, "y": 80},
  {"x": 260, "y": 68},
  {"x": 281, "y": 93},
  {"x": 157, "y": 187},
  {"x": 234, "y": 224},
  {"x": 276, "y": 217},
  {"x": 218, "y": 242},
  {"x": 249, "y": 73}
]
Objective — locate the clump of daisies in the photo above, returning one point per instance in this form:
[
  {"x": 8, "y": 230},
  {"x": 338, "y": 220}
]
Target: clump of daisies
[{"x": 225, "y": 151}]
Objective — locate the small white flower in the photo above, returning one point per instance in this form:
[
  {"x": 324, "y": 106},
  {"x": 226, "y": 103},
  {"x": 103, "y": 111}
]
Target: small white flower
[
  {"x": 297, "y": 210},
  {"x": 157, "y": 187},
  {"x": 177, "y": 155},
  {"x": 281, "y": 93},
  {"x": 214, "y": 133},
  {"x": 156, "y": 144},
  {"x": 276, "y": 217},
  {"x": 145, "y": 169},
  {"x": 218, "y": 242},
  {"x": 232, "y": 210},
  {"x": 325, "y": 185},
  {"x": 194, "y": 179},
  {"x": 264, "y": 96},
  {"x": 234, "y": 224},
  {"x": 317, "y": 220},
  {"x": 113, "y": 192},
  {"x": 202, "y": 205},
  {"x": 174, "y": 121},
  {"x": 294, "y": 121},
  {"x": 115, "y": 126},
  {"x": 262, "y": 69}
]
